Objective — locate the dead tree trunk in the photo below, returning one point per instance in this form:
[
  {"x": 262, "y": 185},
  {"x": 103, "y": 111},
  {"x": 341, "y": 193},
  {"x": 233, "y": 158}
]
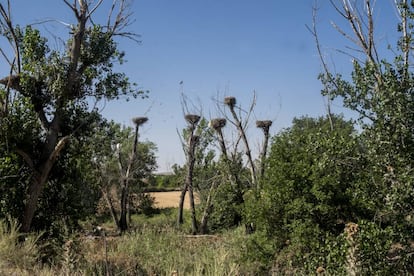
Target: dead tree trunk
[
  {"x": 208, "y": 209},
  {"x": 123, "y": 224},
  {"x": 189, "y": 180},
  {"x": 111, "y": 207},
  {"x": 217, "y": 125},
  {"x": 265, "y": 126},
  {"x": 180, "y": 219},
  {"x": 231, "y": 102},
  {"x": 191, "y": 145}
]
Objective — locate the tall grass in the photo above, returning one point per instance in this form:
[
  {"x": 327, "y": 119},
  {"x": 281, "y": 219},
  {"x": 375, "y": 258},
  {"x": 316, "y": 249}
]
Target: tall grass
[
  {"x": 155, "y": 247},
  {"x": 19, "y": 254}
]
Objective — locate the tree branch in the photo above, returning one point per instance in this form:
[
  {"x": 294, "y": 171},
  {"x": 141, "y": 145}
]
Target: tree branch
[
  {"x": 26, "y": 157},
  {"x": 9, "y": 26}
]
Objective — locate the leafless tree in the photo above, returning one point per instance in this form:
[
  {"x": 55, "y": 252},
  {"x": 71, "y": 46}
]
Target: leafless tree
[
  {"x": 193, "y": 139},
  {"x": 241, "y": 128},
  {"x": 265, "y": 126},
  {"x": 217, "y": 124},
  {"x": 126, "y": 173}
]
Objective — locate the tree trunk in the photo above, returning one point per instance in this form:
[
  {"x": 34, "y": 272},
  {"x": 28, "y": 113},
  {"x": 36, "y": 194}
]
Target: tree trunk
[
  {"x": 180, "y": 219},
  {"x": 189, "y": 181},
  {"x": 264, "y": 153},
  {"x": 111, "y": 207},
  {"x": 123, "y": 224},
  {"x": 128, "y": 208},
  {"x": 207, "y": 210},
  {"x": 30, "y": 207},
  {"x": 194, "y": 223},
  {"x": 246, "y": 144},
  {"x": 39, "y": 180}
]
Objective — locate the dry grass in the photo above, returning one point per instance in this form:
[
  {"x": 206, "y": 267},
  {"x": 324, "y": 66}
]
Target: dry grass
[{"x": 171, "y": 199}]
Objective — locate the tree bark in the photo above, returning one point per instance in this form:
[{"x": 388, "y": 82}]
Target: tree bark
[
  {"x": 39, "y": 180},
  {"x": 180, "y": 219},
  {"x": 207, "y": 209},
  {"x": 209, "y": 202},
  {"x": 123, "y": 224},
  {"x": 246, "y": 144},
  {"x": 111, "y": 207},
  {"x": 189, "y": 181}
]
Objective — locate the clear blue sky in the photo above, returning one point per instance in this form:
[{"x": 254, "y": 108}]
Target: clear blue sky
[{"x": 219, "y": 47}]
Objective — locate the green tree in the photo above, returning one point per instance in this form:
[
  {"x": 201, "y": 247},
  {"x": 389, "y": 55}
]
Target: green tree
[
  {"x": 309, "y": 190},
  {"x": 380, "y": 90},
  {"x": 55, "y": 86}
]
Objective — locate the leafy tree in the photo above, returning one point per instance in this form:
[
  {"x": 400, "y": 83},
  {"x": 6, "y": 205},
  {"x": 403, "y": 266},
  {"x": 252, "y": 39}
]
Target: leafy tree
[
  {"x": 54, "y": 87},
  {"x": 380, "y": 90},
  {"x": 309, "y": 190}
]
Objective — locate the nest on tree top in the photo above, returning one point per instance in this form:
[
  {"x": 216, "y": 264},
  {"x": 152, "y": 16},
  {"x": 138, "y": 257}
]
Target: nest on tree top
[
  {"x": 218, "y": 123},
  {"x": 139, "y": 120},
  {"x": 230, "y": 101},
  {"x": 192, "y": 118},
  {"x": 265, "y": 125}
]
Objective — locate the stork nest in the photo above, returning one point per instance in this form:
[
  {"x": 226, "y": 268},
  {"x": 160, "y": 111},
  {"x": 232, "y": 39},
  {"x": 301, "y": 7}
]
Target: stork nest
[
  {"x": 264, "y": 124},
  {"x": 230, "y": 101},
  {"x": 218, "y": 123},
  {"x": 192, "y": 118},
  {"x": 139, "y": 120}
]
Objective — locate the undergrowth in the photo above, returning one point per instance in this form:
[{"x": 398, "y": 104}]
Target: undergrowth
[{"x": 155, "y": 246}]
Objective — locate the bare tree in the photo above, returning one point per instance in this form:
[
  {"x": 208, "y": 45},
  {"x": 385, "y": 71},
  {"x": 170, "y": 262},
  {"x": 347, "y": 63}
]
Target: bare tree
[
  {"x": 217, "y": 124},
  {"x": 265, "y": 126},
  {"x": 193, "y": 139},
  {"x": 237, "y": 121},
  {"x": 126, "y": 174}
]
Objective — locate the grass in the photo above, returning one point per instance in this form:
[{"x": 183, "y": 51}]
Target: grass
[
  {"x": 155, "y": 246},
  {"x": 18, "y": 253}
]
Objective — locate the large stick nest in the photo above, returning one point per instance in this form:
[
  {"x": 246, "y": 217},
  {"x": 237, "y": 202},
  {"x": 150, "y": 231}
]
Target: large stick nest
[
  {"x": 139, "y": 120},
  {"x": 230, "y": 101},
  {"x": 192, "y": 118},
  {"x": 265, "y": 125},
  {"x": 218, "y": 123}
]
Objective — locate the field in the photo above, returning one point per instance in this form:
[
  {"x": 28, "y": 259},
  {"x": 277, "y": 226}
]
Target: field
[{"x": 171, "y": 199}]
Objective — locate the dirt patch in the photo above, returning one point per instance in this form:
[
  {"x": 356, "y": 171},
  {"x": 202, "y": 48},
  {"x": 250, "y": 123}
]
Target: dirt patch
[{"x": 171, "y": 199}]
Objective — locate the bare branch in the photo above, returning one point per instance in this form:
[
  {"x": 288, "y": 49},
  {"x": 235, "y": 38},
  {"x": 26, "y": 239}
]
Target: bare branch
[
  {"x": 6, "y": 58},
  {"x": 73, "y": 8},
  {"x": 27, "y": 159},
  {"x": 314, "y": 33},
  {"x": 9, "y": 26},
  {"x": 343, "y": 33},
  {"x": 94, "y": 8},
  {"x": 122, "y": 21}
]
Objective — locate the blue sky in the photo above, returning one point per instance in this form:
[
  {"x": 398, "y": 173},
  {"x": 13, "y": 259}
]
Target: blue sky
[{"x": 219, "y": 48}]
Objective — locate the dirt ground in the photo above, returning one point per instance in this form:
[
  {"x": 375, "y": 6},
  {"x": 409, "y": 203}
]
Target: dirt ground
[{"x": 171, "y": 199}]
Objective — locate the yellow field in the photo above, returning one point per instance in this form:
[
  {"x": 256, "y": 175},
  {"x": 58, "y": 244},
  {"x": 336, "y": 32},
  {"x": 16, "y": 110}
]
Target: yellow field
[{"x": 171, "y": 199}]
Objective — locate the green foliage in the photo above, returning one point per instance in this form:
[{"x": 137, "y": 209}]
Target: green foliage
[
  {"x": 228, "y": 208},
  {"x": 381, "y": 92},
  {"x": 308, "y": 193},
  {"x": 46, "y": 101}
]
